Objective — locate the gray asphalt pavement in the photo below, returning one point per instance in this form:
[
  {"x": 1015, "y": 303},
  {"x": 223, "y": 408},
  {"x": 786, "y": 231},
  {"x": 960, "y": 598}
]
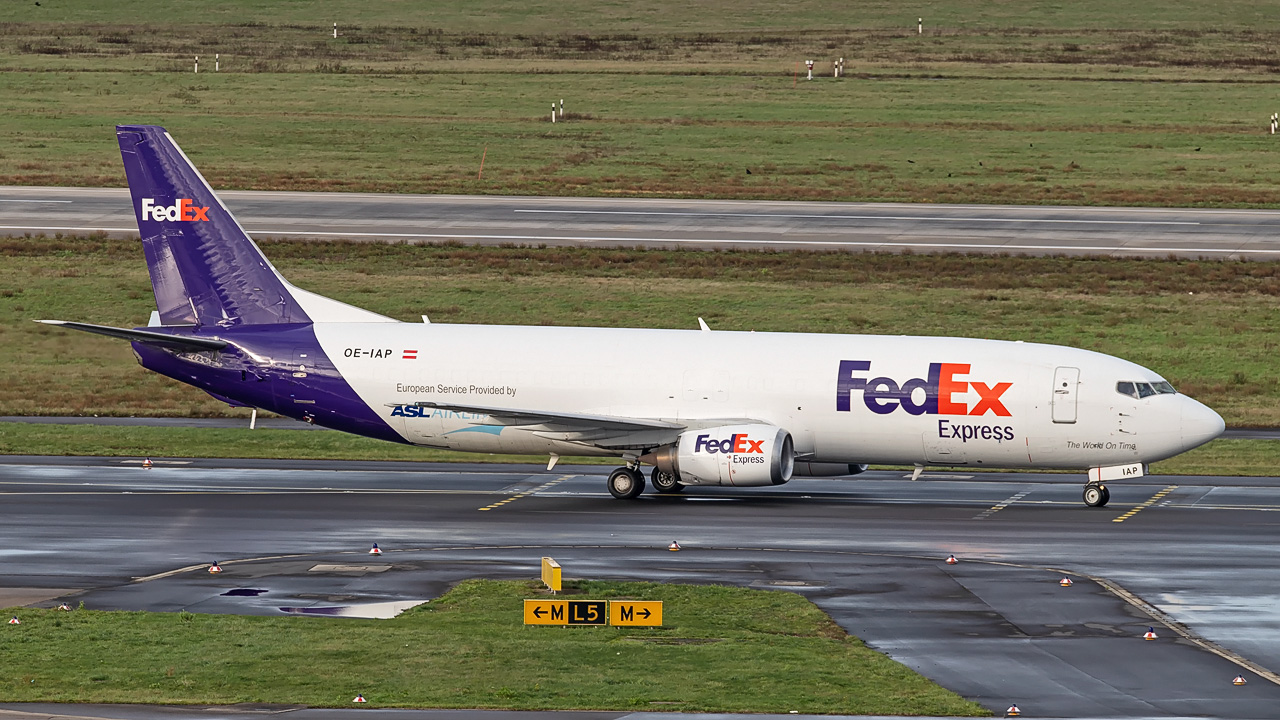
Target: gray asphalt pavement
[
  {"x": 610, "y": 222},
  {"x": 869, "y": 550}
]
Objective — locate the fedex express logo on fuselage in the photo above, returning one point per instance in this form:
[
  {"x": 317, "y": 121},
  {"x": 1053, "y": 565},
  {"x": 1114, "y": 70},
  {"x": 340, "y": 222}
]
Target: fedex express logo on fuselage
[
  {"x": 181, "y": 210},
  {"x": 883, "y": 395}
]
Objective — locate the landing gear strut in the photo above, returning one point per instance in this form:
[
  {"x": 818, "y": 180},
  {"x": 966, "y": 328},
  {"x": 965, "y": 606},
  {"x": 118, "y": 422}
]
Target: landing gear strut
[
  {"x": 665, "y": 482},
  {"x": 1096, "y": 495},
  {"x": 626, "y": 483}
]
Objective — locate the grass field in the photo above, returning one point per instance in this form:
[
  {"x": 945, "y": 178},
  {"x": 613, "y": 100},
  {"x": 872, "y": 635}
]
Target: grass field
[
  {"x": 1084, "y": 103},
  {"x": 775, "y": 652},
  {"x": 1210, "y": 327}
]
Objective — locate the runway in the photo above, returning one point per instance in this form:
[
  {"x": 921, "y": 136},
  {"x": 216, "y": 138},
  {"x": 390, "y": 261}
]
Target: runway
[
  {"x": 1198, "y": 553},
  {"x": 707, "y": 224}
]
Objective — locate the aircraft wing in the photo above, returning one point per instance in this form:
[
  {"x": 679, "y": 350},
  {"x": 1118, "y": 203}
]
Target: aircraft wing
[
  {"x": 604, "y": 431},
  {"x": 173, "y": 342}
]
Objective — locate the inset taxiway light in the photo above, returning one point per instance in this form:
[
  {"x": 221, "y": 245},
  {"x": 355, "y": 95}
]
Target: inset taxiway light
[
  {"x": 674, "y": 546},
  {"x": 1150, "y": 634},
  {"x": 359, "y": 699},
  {"x": 1013, "y": 711},
  {"x": 951, "y": 560},
  {"x": 14, "y": 620},
  {"x": 375, "y": 550},
  {"x": 1239, "y": 680},
  {"x": 1065, "y": 581},
  {"x": 147, "y": 463},
  {"x": 64, "y": 607},
  {"x": 215, "y": 568}
]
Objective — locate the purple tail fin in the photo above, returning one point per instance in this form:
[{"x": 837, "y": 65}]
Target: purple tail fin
[{"x": 204, "y": 268}]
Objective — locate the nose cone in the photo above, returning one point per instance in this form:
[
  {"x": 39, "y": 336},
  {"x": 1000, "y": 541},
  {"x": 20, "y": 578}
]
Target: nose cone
[{"x": 1200, "y": 423}]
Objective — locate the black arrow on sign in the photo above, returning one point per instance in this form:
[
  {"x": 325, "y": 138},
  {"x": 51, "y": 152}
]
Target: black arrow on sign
[
  {"x": 646, "y": 613},
  {"x": 537, "y": 612}
]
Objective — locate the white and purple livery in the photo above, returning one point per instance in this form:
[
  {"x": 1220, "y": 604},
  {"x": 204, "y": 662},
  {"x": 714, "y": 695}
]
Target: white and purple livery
[{"x": 702, "y": 407}]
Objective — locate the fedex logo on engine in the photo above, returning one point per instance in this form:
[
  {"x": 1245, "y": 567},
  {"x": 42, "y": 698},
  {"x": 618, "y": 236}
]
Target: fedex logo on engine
[
  {"x": 735, "y": 443},
  {"x": 883, "y": 395},
  {"x": 182, "y": 209}
]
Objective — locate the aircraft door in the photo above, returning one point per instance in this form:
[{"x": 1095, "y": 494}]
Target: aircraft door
[{"x": 1066, "y": 382}]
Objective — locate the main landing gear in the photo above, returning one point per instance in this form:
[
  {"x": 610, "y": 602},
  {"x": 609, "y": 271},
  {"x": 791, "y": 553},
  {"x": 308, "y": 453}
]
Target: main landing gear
[
  {"x": 1096, "y": 495},
  {"x": 626, "y": 483},
  {"x": 665, "y": 482}
]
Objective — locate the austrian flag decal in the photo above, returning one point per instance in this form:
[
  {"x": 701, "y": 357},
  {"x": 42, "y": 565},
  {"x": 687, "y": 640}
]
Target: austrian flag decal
[{"x": 409, "y": 355}]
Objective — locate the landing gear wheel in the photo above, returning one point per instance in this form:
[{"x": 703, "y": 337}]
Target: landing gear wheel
[
  {"x": 665, "y": 482},
  {"x": 1096, "y": 495},
  {"x": 625, "y": 483}
]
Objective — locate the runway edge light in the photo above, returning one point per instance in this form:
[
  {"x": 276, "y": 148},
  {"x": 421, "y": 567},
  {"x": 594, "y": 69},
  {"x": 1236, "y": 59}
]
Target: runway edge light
[
  {"x": 14, "y": 620},
  {"x": 1013, "y": 711},
  {"x": 359, "y": 699},
  {"x": 1239, "y": 680},
  {"x": 1065, "y": 581},
  {"x": 951, "y": 560},
  {"x": 1150, "y": 634},
  {"x": 674, "y": 546},
  {"x": 64, "y": 607},
  {"x": 147, "y": 463},
  {"x": 215, "y": 568},
  {"x": 375, "y": 550}
]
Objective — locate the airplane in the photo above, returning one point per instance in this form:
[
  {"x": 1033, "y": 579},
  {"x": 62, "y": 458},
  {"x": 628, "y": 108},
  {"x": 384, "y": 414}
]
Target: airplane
[{"x": 701, "y": 407}]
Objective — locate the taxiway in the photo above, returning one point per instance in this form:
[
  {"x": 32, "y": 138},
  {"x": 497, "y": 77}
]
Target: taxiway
[{"x": 995, "y": 627}]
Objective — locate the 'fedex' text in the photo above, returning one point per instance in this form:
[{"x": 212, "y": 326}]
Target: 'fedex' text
[{"x": 883, "y": 395}]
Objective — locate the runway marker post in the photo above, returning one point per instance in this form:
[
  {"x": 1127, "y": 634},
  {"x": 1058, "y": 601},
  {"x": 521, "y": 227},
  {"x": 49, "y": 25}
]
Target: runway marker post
[
  {"x": 479, "y": 175},
  {"x": 217, "y": 62},
  {"x": 920, "y": 31},
  {"x": 553, "y": 112},
  {"x": 197, "y": 64}
]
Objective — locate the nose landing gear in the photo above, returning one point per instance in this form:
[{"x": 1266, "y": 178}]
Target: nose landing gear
[{"x": 1096, "y": 495}]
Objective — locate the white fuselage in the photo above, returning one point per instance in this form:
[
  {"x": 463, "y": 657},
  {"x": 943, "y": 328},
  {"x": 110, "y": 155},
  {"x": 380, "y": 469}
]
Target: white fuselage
[{"x": 921, "y": 400}]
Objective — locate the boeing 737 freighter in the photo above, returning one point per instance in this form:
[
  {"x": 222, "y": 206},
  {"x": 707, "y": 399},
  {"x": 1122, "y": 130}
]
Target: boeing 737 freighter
[{"x": 702, "y": 407}]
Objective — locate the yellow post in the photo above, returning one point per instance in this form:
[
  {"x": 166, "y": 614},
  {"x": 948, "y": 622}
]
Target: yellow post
[{"x": 551, "y": 574}]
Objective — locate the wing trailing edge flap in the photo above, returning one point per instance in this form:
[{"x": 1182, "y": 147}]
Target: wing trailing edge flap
[
  {"x": 603, "y": 431},
  {"x": 149, "y": 337}
]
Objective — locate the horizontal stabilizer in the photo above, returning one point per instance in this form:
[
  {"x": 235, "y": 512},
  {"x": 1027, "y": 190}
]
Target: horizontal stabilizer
[{"x": 165, "y": 340}]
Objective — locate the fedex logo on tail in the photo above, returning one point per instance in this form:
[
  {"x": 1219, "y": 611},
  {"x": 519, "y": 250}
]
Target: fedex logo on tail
[
  {"x": 883, "y": 395},
  {"x": 181, "y": 210}
]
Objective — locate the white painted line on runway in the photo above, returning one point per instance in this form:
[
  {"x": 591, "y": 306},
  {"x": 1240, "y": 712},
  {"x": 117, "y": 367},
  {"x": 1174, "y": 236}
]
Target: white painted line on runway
[
  {"x": 35, "y": 201},
  {"x": 1001, "y": 505},
  {"x": 924, "y": 218},
  {"x": 884, "y": 244}
]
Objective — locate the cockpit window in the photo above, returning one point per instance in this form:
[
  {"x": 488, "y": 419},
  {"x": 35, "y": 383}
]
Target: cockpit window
[{"x": 1143, "y": 390}]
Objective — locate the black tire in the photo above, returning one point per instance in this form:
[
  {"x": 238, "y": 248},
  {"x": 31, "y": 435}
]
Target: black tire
[
  {"x": 1096, "y": 495},
  {"x": 625, "y": 483},
  {"x": 665, "y": 482}
]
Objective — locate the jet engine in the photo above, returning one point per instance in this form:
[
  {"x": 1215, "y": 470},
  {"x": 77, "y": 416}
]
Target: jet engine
[{"x": 735, "y": 455}]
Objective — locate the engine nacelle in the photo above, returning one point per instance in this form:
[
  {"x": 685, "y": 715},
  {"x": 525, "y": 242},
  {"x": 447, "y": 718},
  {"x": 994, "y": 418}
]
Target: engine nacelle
[
  {"x": 735, "y": 455},
  {"x": 813, "y": 469}
]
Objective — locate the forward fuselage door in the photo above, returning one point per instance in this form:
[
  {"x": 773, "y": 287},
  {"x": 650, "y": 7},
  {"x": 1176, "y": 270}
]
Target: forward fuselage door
[{"x": 1066, "y": 383}]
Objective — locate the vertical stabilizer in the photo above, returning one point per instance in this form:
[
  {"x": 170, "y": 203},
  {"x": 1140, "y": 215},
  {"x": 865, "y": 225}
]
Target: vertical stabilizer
[{"x": 205, "y": 269}]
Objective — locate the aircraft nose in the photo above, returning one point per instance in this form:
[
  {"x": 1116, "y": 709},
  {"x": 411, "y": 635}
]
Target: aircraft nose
[{"x": 1200, "y": 423}]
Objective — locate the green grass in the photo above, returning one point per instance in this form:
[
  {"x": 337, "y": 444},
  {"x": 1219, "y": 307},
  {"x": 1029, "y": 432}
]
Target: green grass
[
  {"x": 577, "y": 16},
  {"x": 1209, "y": 327},
  {"x": 1220, "y": 457},
  {"x": 767, "y": 652},
  {"x": 1078, "y": 103}
]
